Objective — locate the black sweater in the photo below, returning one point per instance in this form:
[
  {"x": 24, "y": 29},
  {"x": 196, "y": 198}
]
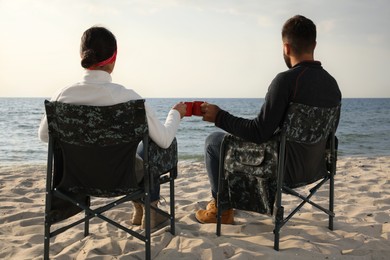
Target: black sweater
[{"x": 307, "y": 83}]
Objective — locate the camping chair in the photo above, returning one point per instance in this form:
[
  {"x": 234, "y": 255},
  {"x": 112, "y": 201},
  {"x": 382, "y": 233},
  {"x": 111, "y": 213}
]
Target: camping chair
[
  {"x": 253, "y": 176},
  {"x": 92, "y": 153}
]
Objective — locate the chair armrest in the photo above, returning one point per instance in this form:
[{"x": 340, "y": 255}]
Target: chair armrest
[{"x": 162, "y": 160}]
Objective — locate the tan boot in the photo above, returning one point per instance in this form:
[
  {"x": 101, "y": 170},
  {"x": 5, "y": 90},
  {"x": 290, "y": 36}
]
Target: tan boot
[
  {"x": 210, "y": 214},
  {"x": 137, "y": 214},
  {"x": 212, "y": 206},
  {"x": 155, "y": 218}
]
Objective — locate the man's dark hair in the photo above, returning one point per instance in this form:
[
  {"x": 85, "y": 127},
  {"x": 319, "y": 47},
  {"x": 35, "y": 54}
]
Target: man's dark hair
[
  {"x": 300, "y": 32},
  {"x": 97, "y": 44}
]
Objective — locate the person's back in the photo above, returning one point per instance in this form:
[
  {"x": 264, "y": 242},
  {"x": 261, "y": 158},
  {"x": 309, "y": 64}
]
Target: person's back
[
  {"x": 308, "y": 83},
  {"x": 98, "y": 53},
  {"x": 305, "y": 82}
]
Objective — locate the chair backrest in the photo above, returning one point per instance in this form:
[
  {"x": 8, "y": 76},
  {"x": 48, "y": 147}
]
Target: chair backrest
[
  {"x": 95, "y": 146},
  {"x": 306, "y": 130},
  {"x": 250, "y": 171}
]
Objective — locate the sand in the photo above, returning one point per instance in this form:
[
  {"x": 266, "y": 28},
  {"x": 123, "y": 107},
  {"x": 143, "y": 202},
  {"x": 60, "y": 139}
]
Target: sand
[{"x": 361, "y": 227}]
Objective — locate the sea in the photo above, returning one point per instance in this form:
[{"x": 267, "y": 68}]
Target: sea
[{"x": 364, "y": 128}]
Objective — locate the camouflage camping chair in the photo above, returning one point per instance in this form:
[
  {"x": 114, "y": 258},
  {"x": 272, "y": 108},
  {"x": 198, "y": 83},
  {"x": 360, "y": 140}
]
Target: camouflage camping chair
[
  {"x": 91, "y": 153},
  {"x": 253, "y": 176}
]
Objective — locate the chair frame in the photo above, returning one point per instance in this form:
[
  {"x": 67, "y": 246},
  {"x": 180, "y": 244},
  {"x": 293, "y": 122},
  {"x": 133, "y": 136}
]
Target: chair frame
[
  {"x": 141, "y": 193},
  {"x": 278, "y": 210},
  {"x": 280, "y": 220}
]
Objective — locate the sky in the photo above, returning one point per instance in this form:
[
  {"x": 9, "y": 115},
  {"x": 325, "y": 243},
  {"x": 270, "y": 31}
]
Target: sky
[{"x": 191, "y": 48}]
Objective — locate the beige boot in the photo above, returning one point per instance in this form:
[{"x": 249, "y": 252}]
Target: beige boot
[
  {"x": 210, "y": 214},
  {"x": 155, "y": 218},
  {"x": 138, "y": 213}
]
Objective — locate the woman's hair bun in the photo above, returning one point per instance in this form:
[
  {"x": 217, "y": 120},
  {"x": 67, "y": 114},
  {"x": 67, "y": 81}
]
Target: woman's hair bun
[{"x": 88, "y": 58}]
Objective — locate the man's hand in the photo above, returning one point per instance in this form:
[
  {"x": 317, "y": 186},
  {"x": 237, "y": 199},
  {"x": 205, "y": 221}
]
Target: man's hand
[{"x": 209, "y": 112}]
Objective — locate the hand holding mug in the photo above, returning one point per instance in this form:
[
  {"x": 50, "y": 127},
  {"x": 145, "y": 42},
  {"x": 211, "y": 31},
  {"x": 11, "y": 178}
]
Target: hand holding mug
[
  {"x": 181, "y": 108},
  {"x": 209, "y": 112}
]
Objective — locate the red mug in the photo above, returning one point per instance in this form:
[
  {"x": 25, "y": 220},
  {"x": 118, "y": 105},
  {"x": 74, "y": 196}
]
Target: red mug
[
  {"x": 196, "y": 111},
  {"x": 189, "y": 109}
]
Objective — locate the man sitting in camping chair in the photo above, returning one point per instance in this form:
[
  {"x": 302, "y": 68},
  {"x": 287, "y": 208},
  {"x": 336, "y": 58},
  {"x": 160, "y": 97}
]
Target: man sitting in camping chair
[{"x": 305, "y": 82}]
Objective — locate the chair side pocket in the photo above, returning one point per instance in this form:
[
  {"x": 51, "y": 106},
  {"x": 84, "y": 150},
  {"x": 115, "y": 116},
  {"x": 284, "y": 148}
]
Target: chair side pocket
[{"x": 249, "y": 192}]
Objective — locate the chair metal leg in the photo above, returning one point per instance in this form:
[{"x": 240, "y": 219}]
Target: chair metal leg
[
  {"x": 219, "y": 219},
  {"x": 279, "y": 190},
  {"x": 276, "y": 239},
  {"x": 49, "y": 172},
  {"x": 147, "y": 227},
  {"x": 46, "y": 243},
  {"x": 172, "y": 201},
  {"x": 88, "y": 216},
  {"x": 147, "y": 250},
  {"x": 331, "y": 179},
  {"x": 46, "y": 236},
  {"x": 331, "y": 201},
  {"x": 278, "y": 225},
  {"x": 86, "y": 224}
]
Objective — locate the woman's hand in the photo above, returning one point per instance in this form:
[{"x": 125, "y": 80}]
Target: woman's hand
[{"x": 181, "y": 107}]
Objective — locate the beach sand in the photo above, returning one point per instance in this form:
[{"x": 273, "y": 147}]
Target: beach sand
[{"x": 361, "y": 226}]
